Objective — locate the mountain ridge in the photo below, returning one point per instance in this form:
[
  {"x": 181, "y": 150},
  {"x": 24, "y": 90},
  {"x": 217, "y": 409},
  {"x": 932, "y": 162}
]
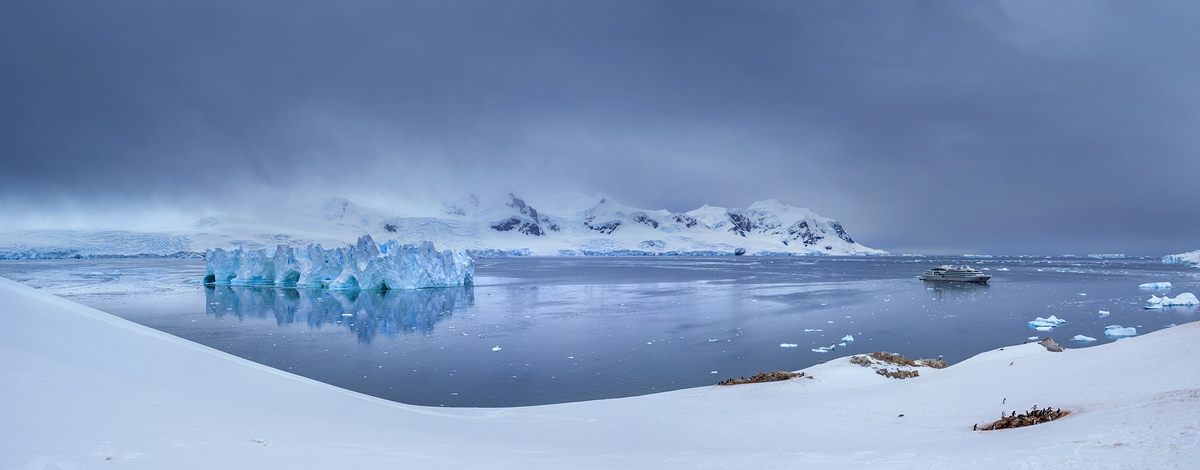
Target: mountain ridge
[{"x": 498, "y": 224}]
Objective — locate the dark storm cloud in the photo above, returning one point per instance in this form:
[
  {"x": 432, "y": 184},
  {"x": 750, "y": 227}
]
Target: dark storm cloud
[{"x": 1005, "y": 127}]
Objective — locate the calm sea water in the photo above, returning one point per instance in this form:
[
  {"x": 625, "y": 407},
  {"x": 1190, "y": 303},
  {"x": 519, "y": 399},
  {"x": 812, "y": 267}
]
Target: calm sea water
[{"x": 548, "y": 330}]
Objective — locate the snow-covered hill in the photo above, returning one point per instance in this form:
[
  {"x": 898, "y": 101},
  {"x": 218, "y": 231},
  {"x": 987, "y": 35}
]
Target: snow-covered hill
[
  {"x": 85, "y": 389},
  {"x": 503, "y": 224}
]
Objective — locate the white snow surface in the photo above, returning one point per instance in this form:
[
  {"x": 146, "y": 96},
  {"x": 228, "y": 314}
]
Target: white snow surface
[
  {"x": 1191, "y": 258},
  {"x": 501, "y": 224},
  {"x": 84, "y": 389},
  {"x": 365, "y": 265}
]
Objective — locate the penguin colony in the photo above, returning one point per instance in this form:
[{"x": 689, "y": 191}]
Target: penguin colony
[
  {"x": 764, "y": 377},
  {"x": 1015, "y": 420}
]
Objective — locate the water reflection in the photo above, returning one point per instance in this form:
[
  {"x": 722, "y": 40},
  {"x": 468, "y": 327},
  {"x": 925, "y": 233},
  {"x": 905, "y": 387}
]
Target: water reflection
[
  {"x": 366, "y": 313},
  {"x": 955, "y": 290}
]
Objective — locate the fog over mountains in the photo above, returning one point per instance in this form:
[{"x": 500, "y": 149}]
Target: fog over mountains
[{"x": 487, "y": 225}]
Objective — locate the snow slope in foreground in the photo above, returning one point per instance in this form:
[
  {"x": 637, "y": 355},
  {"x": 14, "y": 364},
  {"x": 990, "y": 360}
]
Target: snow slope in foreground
[{"x": 81, "y": 388}]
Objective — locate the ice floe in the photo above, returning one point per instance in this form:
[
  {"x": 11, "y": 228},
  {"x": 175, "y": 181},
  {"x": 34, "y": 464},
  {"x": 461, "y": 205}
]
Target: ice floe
[
  {"x": 1046, "y": 324},
  {"x": 1186, "y": 298},
  {"x": 1083, "y": 339},
  {"x": 1118, "y": 331},
  {"x": 788, "y": 345},
  {"x": 1155, "y": 285},
  {"x": 1103, "y": 313},
  {"x": 98, "y": 273},
  {"x": 825, "y": 349},
  {"x": 848, "y": 339}
]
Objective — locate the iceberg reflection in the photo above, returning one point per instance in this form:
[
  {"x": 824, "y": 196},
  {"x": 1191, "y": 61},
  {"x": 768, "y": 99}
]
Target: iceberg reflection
[{"x": 365, "y": 313}]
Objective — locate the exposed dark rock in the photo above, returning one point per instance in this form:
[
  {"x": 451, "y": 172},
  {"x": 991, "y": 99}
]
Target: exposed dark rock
[
  {"x": 687, "y": 220},
  {"x": 455, "y": 210},
  {"x": 652, "y": 245},
  {"x": 514, "y": 223},
  {"x": 801, "y": 231},
  {"x": 550, "y": 225},
  {"x": 884, "y": 362},
  {"x": 530, "y": 228},
  {"x": 605, "y": 228},
  {"x": 644, "y": 219},
  {"x": 1050, "y": 345},
  {"x": 841, "y": 233},
  {"x": 741, "y": 222}
]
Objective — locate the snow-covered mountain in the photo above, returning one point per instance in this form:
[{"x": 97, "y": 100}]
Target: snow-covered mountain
[{"x": 502, "y": 224}]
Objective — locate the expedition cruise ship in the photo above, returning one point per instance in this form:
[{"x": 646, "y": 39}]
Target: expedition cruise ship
[{"x": 956, "y": 274}]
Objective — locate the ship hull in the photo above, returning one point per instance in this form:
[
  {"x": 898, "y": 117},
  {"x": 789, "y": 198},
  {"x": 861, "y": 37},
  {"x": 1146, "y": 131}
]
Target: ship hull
[
  {"x": 982, "y": 280},
  {"x": 950, "y": 274}
]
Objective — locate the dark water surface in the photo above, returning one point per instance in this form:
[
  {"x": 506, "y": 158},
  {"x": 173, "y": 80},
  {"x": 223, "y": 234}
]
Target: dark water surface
[{"x": 548, "y": 330}]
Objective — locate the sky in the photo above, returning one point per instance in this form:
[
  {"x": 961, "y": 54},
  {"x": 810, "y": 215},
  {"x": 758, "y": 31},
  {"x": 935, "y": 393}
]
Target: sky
[{"x": 1006, "y": 127}]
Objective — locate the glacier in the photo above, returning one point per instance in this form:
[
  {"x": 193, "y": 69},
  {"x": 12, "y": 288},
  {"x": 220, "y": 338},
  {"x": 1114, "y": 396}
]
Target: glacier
[{"x": 364, "y": 265}]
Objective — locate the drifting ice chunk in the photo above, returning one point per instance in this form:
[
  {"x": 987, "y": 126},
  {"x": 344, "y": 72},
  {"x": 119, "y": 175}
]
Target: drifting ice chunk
[
  {"x": 848, "y": 339},
  {"x": 810, "y": 330},
  {"x": 1032, "y": 338},
  {"x": 497, "y": 348},
  {"x": 1103, "y": 312},
  {"x": 788, "y": 345},
  {"x": 98, "y": 273},
  {"x": 1046, "y": 324},
  {"x": 1155, "y": 285},
  {"x": 362, "y": 266},
  {"x": 1186, "y": 298},
  {"x": 824, "y": 349},
  {"x": 1083, "y": 339},
  {"x": 1170, "y": 326},
  {"x": 1116, "y": 331}
]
